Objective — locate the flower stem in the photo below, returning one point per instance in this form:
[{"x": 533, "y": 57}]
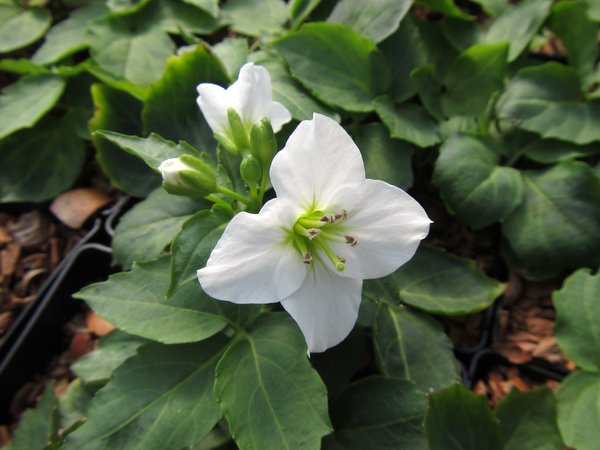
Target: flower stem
[{"x": 240, "y": 198}]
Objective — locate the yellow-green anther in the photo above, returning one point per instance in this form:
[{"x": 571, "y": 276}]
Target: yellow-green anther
[
  {"x": 238, "y": 130},
  {"x": 263, "y": 144},
  {"x": 250, "y": 170},
  {"x": 336, "y": 260}
]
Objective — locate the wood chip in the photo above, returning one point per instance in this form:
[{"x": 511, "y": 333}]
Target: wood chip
[{"x": 74, "y": 207}]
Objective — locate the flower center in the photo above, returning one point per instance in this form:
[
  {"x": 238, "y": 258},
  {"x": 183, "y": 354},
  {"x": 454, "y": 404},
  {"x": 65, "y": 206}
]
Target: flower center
[{"x": 313, "y": 232}]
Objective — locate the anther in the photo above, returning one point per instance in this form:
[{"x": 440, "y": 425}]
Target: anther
[
  {"x": 329, "y": 218},
  {"x": 307, "y": 259},
  {"x": 313, "y": 233},
  {"x": 352, "y": 240}
]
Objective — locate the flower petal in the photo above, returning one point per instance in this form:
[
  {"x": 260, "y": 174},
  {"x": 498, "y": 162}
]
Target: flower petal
[
  {"x": 253, "y": 93},
  {"x": 251, "y": 263},
  {"x": 389, "y": 224},
  {"x": 317, "y": 160},
  {"x": 325, "y": 307},
  {"x": 279, "y": 116},
  {"x": 213, "y": 102}
]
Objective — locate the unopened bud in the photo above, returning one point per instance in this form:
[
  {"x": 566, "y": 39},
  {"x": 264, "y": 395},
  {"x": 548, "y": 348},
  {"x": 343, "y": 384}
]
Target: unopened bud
[
  {"x": 227, "y": 143},
  {"x": 239, "y": 134},
  {"x": 188, "y": 175},
  {"x": 263, "y": 144},
  {"x": 250, "y": 170}
]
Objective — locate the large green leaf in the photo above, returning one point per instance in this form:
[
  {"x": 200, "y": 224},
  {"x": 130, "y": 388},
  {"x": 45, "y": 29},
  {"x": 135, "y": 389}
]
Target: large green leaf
[
  {"x": 20, "y": 25},
  {"x": 447, "y": 7},
  {"x": 408, "y": 122},
  {"x": 175, "y": 17},
  {"x": 437, "y": 282},
  {"x": 233, "y": 53},
  {"x": 405, "y": 52},
  {"x": 518, "y": 25},
  {"x": 375, "y": 19},
  {"x": 153, "y": 150},
  {"x": 339, "y": 65},
  {"x": 132, "y": 50},
  {"x": 474, "y": 186},
  {"x": 400, "y": 337},
  {"x": 145, "y": 230},
  {"x": 577, "y": 326},
  {"x": 577, "y": 32},
  {"x": 118, "y": 111},
  {"x": 473, "y": 77},
  {"x": 379, "y": 413},
  {"x": 578, "y": 406},
  {"x": 270, "y": 395},
  {"x": 192, "y": 246},
  {"x": 162, "y": 398},
  {"x": 24, "y": 102},
  {"x": 255, "y": 17},
  {"x": 171, "y": 109},
  {"x": 38, "y": 427},
  {"x": 39, "y": 163},
  {"x": 68, "y": 36},
  {"x": 554, "y": 228},
  {"x": 385, "y": 158},
  {"x": 528, "y": 420},
  {"x": 459, "y": 417},
  {"x": 117, "y": 347},
  {"x": 135, "y": 302},
  {"x": 210, "y": 6},
  {"x": 548, "y": 100},
  {"x": 290, "y": 93},
  {"x": 548, "y": 151},
  {"x": 73, "y": 404}
]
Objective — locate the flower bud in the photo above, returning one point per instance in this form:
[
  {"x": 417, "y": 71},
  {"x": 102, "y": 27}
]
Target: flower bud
[
  {"x": 188, "y": 175},
  {"x": 263, "y": 144},
  {"x": 227, "y": 143},
  {"x": 250, "y": 170},
  {"x": 239, "y": 133}
]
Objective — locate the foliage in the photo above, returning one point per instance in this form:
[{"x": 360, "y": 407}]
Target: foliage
[{"x": 463, "y": 103}]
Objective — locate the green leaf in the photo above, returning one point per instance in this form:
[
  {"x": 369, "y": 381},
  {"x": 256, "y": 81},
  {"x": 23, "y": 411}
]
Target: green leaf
[
  {"x": 69, "y": 36},
  {"x": 447, "y": 7},
  {"x": 374, "y": 19},
  {"x": 38, "y": 164},
  {"x": 115, "y": 348},
  {"x": 578, "y": 401},
  {"x": 441, "y": 54},
  {"x": 594, "y": 10},
  {"x": 405, "y": 52},
  {"x": 401, "y": 334},
  {"x": 24, "y": 102},
  {"x": 135, "y": 51},
  {"x": 407, "y": 121},
  {"x": 473, "y": 77},
  {"x": 117, "y": 111},
  {"x": 518, "y": 25},
  {"x": 493, "y": 7},
  {"x": 233, "y": 53},
  {"x": 125, "y": 7},
  {"x": 300, "y": 9},
  {"x": 339, "y": 65},
  {"x": 458, "y": 416},
  {"x": 385, "y": 158},
  {"x": 145, "y": 230},
  {"x": 567, "y": 196},
  {"x": 473, "y": 184},
  {"x": 22, "y": 66},
  {"x": 171, "y": 109},
  {"x": 73, "y": 404},
  {"x": 548, "y": 151},
  {"x": 135, "y": 302},
  {"x": 20, "y": 26},
  {"x": 437, "y": 282},
  {"x": 153, "y": 150},
  {"x": 161, "y": 398},
  {"x": 174, "y": 16},
  {"x": 547, "y": 100},
  {"x": 255, "y": 17},
  {"x": 290, "y": 93},
  {"x": 192, "y": 246},
  {"x": 210, "y": 6},
  {"x": 528, "y": 420},
  {"x": 265, "y": 386},
  {"x": 577, "y": 327},
  {"x": 379, "y": 413},
  {"x": 429, "y": 90},
  {"x": 569, "y": 20},
  {"x": 38, "y": 426}
]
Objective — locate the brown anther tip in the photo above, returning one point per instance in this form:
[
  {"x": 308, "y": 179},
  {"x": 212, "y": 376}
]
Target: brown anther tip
[
  {"x": 352, "y": 240},
  {"x": 313, "y": 233},
  {"x": 307, "y": 258},
  {"x": 329, "y": 218}
]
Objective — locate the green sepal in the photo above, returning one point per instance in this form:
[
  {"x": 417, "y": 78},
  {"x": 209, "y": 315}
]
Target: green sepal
[
  {"x": 250, "y": 170},
  {"x": 238, "y": 130},
  {"x": 263, "y": 144},
  {"x": 226, "y": 143}
]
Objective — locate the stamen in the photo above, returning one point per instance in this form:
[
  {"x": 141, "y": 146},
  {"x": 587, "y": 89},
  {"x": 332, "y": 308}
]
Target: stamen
[
  {"x": 310, "y": 233},
  {"x": 307, "y": 259},
  {"x": 336, "y": 260},
  {"x": 310, "y": 223},
  {"x": 328, "y": 218},
  {"x": 352, "y": 240},
  {"x": 332, "y": 218}
]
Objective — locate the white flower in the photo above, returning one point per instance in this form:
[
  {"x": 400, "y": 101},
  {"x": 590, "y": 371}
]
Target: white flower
[
  {"x": 250, "y": 96},
  {"x": 328, "y": 229}
]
